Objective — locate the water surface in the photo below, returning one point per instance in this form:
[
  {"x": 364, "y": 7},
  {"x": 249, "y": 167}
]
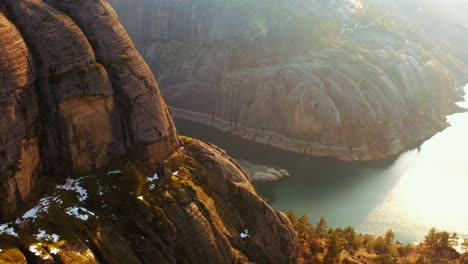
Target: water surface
[{"x": 422, "y": 188}]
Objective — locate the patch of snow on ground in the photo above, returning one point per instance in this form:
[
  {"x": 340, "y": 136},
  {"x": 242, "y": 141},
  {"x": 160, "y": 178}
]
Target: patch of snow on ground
[
  {"x": 114, "y": 172},
  {"x": 245, "y": 234},
  {"x": 43, "y": 236},
  {"x": 41, "y": 207},
  {"x": 4, "y": 229},
  {"x": 74, "y": 185},
  {"x": 35, "y": 250},
  {"x": 79, "y": 212},
  {"x": 152, "y": 180},
  {"x": 54, "y": 251}
]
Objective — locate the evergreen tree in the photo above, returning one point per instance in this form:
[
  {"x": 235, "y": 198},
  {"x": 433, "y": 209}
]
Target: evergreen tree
[
  {"x": 431, "y": 239},
  {"x": 404, "y": 252},
  {"x": 350, "y": 238},
  {"x": 389, "y": 236},
  {"x": 333, "y": 250},
  {"x": 292, "y": 217},
  {"x": 304, "y": 228},
  {"x": 453, "y": 241},
  {"x": 464, "y": 245},
  {"x": 321, "y": 228}
]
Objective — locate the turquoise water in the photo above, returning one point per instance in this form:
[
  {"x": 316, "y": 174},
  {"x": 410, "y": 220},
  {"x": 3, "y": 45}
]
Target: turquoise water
[{"x": 422, "y": 188}]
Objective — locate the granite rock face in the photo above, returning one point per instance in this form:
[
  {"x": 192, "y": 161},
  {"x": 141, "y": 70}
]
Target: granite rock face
[
  {"x": 76, "y": 98},
  {"x": 19, "y": 120},
  {"x": 96, "y": 104},
  {"x": 330, "y": 78},
  {"x": 192, "y": 209}
]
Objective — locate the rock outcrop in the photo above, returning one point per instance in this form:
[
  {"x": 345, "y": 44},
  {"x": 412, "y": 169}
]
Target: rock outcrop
[
  {"x": 96, "y": 104},
  {"x": 328, "y": 78},
  {"x": 192, "y": 209},
  {"x": 261, "y": 173},
  {"x": 76, "y": 98},
  {"x": 19, "y": 120}
]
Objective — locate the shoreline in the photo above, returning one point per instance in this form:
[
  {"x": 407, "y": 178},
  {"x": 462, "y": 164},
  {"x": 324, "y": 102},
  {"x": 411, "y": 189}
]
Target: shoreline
[{"x": 342, "y": 153}]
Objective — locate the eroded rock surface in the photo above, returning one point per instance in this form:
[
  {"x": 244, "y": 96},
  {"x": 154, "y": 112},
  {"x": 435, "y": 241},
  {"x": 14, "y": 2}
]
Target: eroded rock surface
[
  {"x": 76, "y": 98},
  {"x": 192, "y": 209},
  {"x": 19, "y": 120},
  {"x": 96, "y": 104},
  {"x": 328, "y": 78}
]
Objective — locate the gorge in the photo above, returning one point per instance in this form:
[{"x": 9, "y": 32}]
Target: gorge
[
  {"x": 341, "y": 79},
  {"x": 352, "y": 110}
]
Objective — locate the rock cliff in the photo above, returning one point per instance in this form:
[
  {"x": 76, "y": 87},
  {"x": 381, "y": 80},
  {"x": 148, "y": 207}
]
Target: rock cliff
[
  {"x": 331, "y": 78},
  {"x": 84, "y": 128}
]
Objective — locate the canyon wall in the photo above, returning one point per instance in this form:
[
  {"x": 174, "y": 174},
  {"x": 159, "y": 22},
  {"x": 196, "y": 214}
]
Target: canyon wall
[{"x": 335, "y": 78}]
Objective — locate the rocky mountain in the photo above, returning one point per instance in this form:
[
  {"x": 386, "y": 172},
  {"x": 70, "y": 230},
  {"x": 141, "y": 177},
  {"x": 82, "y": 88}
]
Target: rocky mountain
[
  {"x": 341, "y": 78},
  {"x": 84, "y": 128}
]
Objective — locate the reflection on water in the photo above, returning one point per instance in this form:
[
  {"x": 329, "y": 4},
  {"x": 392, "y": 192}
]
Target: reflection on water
[
  {"x": 418, "y": 190},
  {"x": 431, "y": 190}
]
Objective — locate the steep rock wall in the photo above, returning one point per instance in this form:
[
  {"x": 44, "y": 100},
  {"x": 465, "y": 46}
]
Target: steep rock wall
[
  {"x": 94, "y": 107},
  {"x": 19, "y": 121},
  {"x": 324, "y": 78}
]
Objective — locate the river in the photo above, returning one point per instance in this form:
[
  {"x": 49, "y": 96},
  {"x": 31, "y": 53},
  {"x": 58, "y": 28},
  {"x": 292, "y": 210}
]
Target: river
[{"x": 421, "y": 188}]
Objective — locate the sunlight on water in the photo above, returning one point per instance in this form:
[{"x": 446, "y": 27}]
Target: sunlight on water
[
  {"x": 422, "y": 189},
  {"x": 432, "y": 191}
]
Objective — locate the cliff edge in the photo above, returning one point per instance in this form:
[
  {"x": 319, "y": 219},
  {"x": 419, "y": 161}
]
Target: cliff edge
[{"x": 84, "y": 128}]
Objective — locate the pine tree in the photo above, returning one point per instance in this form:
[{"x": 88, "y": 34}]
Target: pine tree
[
  {"x": 333, "y": 250},
  {"x": 304, "y": 229},
  {"x": 453, "y": 241},
  {"x": 431, "y": 239},
  {"x": 464, "y": 245},
  {"x": 292, "y": 217},
  {"x": 389, "y": 236},
  {"x": 321, "y": 228}
]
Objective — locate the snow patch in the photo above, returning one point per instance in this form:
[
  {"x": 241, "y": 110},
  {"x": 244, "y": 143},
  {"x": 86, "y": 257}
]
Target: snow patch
[
  {"x": 35, "y": 250},
  {"x": 79, "y": 212},
  {"x": 114, "y": 172},
  {"x": 154, "y": 178},
  {"x": 245, "y": 234},
  {"x": 43, "y": 236},
  {"x": 42, "y": 207},
  {"x": 74, "y": 185},
  {"x": 54, "y": 251},
  {"x": 4, "y": 229}
]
